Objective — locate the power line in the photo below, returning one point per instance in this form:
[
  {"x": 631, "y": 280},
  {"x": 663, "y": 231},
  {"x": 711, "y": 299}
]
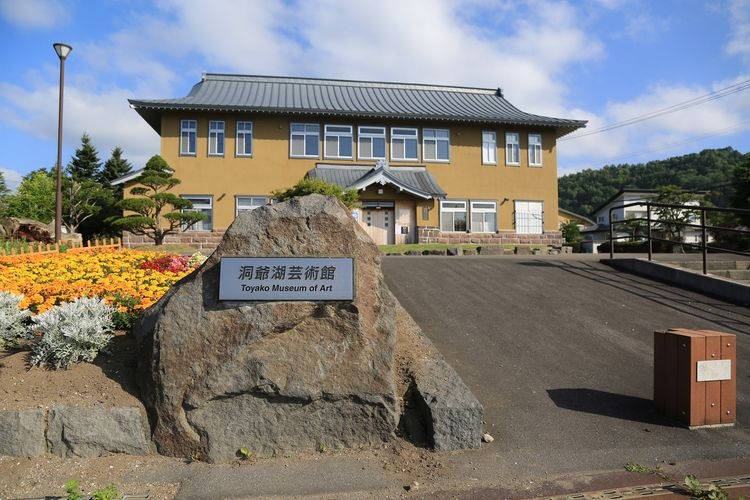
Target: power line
[
  {"x": 712, "y": 96},
  {"x": 725, "y": 131}
]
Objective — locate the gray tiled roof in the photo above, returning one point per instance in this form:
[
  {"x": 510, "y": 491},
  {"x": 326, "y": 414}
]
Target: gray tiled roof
[
  {"x": 266, "y": 94},
  {"x": 415, "y": 180}
]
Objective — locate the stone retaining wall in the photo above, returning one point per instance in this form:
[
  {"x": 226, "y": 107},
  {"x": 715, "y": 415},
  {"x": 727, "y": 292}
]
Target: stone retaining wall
[
  {"x": 434, "y": 235},
  {"x": 68, "y": 431},
  {"x": 209, "y": 240},
  {"x": 202, "y": 240}
]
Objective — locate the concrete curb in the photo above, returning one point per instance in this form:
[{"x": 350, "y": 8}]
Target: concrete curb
[{"x": 715, "y": 286}]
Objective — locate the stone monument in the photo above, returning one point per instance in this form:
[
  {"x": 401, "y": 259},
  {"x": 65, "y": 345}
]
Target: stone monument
[{"x": 220, "y": 371}]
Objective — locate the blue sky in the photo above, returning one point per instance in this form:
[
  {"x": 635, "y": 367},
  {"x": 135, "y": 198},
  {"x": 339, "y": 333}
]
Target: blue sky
[{"x": 600, "y": 60}]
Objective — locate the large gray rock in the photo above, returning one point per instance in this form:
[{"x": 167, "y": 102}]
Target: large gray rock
[
  {"x": 451, "y": 413},
  {"x": 217, "y": 376},
  {"x": 22, "y": 433},
  {"x": 93, "y": 432},
  {"x": 439, "y": 409}
]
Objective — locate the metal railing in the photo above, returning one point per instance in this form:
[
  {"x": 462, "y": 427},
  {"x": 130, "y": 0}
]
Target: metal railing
[{"x": 698, "y": 221}]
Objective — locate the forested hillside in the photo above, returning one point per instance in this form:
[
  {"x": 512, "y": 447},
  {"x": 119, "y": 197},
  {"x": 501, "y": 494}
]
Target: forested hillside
[{"x": 709, "y": 170}]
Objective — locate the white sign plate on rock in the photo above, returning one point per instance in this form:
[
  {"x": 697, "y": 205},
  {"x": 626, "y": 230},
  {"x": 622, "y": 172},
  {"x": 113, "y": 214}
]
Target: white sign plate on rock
[
  {"x": 286, "y": 278},
  {"x": 719, "y": 369}
]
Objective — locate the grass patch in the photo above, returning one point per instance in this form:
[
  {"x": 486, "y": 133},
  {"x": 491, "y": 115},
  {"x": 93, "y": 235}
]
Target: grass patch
[{"x": 419, "y": 247}]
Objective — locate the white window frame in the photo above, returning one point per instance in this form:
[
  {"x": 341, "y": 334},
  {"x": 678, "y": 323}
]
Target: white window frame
[
  {"x": 535, "y": 150},
  {"x": 397, "y": 135},
  {"x": 243, "y": 137},
  {"x": 363, "y": 133},
  {"x": 216, "y": 137},
  {"x": 330, "y": 133},
  {"x": 436, "y": 136},
  {"x": 201, "y": 207},
  {"x": 452, "y": 210},
  {"x": 477, "y": 208},
  {"x": 188, "y": 128},
  {"x": 530, "y": 228},
  {"x": 309, "y": 130},
  {"x": 255, "y": 202},
  {"x": 512, "y": 148},
  {"x": 489, "y": 147}
]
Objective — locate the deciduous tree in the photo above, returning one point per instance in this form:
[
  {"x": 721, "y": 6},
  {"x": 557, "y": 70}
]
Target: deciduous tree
[
  {"x": 672, "y": 220},
  {"x": 34, "y": 198}
]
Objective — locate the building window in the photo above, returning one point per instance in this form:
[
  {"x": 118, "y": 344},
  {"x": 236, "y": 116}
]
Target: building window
[
  {"x": 483, "y": 216},
  {"x": 203, "y": 205},
  {"x": 371, "y": 143},
  {"x": 529, "y": 217},
  {"x": 248, "y": 203},
  {"x": 188, "y": 132},
  {"x": 244, "y": 139},
  {"x": 511, "y": 149},
  {"x": 404, "y": 144},
  {"x": 489, "y": 148},
  {"x": 436, "y": 144},
  {"x": 453, "y": 216},
  {"x": 305, "y": 140},
  {"x": 215, "y": 138},
  {"x": 338, "y": 141},
  {"x": 535, "y": 150}
]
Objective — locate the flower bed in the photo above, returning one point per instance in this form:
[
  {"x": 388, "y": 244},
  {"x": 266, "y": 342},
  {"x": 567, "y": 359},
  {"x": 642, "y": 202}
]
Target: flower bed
[{"x": 129, "y": 280}]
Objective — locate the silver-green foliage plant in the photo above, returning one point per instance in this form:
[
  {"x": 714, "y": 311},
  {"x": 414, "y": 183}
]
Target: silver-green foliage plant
[
  {"x": 12, "y": 319},
  {"x": 72, "y": 332}
]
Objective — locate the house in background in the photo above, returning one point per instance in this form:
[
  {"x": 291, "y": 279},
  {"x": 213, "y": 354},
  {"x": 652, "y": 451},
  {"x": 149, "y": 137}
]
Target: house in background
[
  {"x": 599, "y": 233},
  {"x": 431, "y": 163},
  {"x": 566, "y": 216}
]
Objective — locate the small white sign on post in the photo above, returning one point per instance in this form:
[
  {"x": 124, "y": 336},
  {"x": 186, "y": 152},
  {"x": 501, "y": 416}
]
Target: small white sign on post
[
  {"x": 286, "y": 278},
  {"x": 713, "y": 370}
]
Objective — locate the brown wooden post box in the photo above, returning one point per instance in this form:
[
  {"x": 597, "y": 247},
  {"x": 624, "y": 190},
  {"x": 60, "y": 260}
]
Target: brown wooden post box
[{"x": 695, "y": 376}]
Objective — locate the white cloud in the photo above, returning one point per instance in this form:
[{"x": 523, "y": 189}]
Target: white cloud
[
  {"x": 105, "y": 116},
  {"x": 12, "y": 178},
  {"x": 34, "y": 13},
  {"x": 382, "y": 41},
  {"x": 667, "y": 132},
  {"x": 363, "y": 40},
  {"x": 525, "y": 48},
  {"x": 644, "y": 27},
  {"x": 739, "y": 38}
]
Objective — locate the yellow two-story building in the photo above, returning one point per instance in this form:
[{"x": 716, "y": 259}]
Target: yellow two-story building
[{"x": 431, "y": 163}]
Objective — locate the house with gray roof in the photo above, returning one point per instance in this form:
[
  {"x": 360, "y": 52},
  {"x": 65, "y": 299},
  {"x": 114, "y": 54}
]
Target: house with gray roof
[{"x": 431, "y": 163}]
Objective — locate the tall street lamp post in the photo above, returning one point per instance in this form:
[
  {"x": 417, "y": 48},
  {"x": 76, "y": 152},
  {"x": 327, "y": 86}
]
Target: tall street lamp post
[{"x": 62, "y": 51}]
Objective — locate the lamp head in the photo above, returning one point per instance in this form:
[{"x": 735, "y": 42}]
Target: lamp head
[{"x": 62, "y": 50}]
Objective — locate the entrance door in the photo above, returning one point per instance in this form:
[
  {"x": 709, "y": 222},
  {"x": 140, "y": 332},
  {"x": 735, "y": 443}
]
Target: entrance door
[{"x": 378, "y": 222}]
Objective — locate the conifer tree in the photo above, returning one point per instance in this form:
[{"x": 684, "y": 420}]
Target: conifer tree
[
  {"x": 155, "y": 212},
  {"x": 85, "y": 165},
  {"x": 115, "y": 167}
]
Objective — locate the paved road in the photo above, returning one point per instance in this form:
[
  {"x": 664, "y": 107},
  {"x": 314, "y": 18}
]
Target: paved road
[{"x": 560, "y": 353}]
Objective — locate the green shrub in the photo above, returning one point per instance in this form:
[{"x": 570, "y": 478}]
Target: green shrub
[
  {"x": 637, "y": 247},
  {"x": 72, "y": 332},
  {"x": 348, "y": 197}
]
